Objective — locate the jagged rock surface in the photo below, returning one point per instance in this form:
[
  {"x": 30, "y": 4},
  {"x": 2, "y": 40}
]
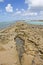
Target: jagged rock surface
[{"x": 21, "y": 44}]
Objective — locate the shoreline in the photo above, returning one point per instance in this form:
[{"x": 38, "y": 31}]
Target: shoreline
[{"x": 13, "y": 24}]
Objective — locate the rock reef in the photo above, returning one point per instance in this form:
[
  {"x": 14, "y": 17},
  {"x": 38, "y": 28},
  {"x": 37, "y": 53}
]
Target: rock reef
[{"x": 21, "y": 44}]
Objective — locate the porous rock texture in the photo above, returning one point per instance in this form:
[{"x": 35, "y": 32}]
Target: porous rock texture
[{"x": 21, "y": 44}]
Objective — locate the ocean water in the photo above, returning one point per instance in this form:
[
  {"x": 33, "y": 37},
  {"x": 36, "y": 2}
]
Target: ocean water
[
  {"x": 6, "y": 24},
  {"x": 35, "y": 22}
]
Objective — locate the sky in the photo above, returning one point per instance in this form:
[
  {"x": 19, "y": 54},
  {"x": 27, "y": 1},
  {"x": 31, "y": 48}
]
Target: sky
[{"x": 11, "y": 10}]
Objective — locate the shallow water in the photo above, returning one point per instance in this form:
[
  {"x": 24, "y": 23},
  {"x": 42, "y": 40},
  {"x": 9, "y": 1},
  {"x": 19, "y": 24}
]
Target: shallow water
[
  {"x": 5, "y": 24},
  {"x": 35, "y": 22}
]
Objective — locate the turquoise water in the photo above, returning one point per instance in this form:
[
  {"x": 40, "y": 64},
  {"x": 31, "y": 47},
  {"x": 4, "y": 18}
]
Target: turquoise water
[
  {"x": 6, "y": 24},
  {"x": 35, "y": 22}
]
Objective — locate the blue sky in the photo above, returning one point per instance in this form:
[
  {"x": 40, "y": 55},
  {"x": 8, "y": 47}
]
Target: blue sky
[{"x": 11, "y": 10}]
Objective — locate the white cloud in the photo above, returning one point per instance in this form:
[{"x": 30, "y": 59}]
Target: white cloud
[
  {"x": 1, "y": 0},
  {"x": 29, "y": 14},
  {"x": 24, "y": 13},
  {"x": 18, "y": 12},
  {"x": 33, "y": 13},
  {"x": 9, "y": 8},
  {"x": 35, "y": 7},
  {"x": 35, "y": 3}
]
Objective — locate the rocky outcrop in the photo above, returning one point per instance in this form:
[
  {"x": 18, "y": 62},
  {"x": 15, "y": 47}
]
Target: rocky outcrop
[{"x": 23, "y": 45}]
